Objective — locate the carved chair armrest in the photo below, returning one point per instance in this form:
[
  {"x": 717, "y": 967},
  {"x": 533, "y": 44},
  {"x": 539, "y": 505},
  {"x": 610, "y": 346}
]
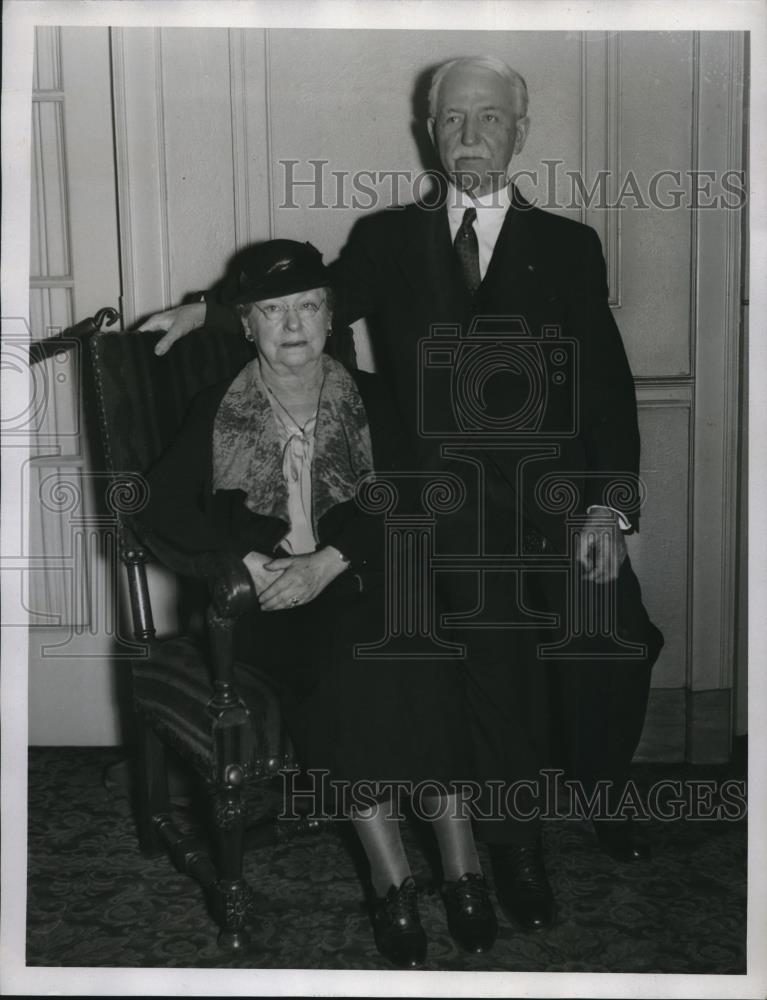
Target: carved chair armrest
[
  {"x": 230, "y": 585},
  {"x": 232, "y": 594}
]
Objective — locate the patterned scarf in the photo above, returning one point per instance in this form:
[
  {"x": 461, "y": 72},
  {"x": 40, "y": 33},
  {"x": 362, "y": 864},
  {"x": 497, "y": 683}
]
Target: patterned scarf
[{"x": 248, "y": 456}]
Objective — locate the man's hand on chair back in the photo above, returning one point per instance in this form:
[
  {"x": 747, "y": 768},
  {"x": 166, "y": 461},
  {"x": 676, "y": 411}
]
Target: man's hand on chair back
[{"x": 176, "y": 322}]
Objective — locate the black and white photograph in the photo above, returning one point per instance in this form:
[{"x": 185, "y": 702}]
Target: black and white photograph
[{"x": 382, "y": 558}]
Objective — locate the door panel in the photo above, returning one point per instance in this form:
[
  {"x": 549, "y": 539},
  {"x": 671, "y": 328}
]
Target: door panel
[{"x": 74, "y": 270}]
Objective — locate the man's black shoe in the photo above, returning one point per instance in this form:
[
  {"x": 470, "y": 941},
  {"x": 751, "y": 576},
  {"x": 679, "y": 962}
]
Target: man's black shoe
[
  {"x": 619, "y": 841},
  {"x": 397, "y": 925},
  {"x": 521, "y": 884},
  {"x": 470, "y": 914}
]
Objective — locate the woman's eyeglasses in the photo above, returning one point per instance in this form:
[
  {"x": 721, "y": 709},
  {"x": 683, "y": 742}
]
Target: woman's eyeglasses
[{"x": 276, "y": 310}]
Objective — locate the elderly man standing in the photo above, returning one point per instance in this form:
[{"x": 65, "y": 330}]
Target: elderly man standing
[{"x": 486, "y": 253}]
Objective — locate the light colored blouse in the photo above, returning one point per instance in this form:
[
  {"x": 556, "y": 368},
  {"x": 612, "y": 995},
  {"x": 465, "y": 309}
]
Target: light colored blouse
[{"x": 297, "y": 453}]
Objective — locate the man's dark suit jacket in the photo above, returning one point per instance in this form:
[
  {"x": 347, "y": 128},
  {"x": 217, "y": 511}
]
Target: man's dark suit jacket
[{"x": 399, "y": 269}]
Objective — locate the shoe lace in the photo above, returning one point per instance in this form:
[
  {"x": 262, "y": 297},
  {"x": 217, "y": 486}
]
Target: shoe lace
[
  {"x": 472, "y": 887},
  {"x": 527, "y": 866},
  {"x": 401, "y": 903}
]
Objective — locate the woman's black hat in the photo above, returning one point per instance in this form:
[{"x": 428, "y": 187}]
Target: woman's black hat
[{"x": 272, "y": 269}]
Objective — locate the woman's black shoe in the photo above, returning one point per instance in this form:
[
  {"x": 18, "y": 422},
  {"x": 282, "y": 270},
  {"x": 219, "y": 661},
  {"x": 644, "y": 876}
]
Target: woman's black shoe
[
  {"x": 397, "y": 926},
  {"x": 470, "y": 914}
]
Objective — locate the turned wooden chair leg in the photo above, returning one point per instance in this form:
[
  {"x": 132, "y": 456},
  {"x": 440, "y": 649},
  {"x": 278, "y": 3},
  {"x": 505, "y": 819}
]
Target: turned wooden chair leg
[
  {"x": 152, "y": 797},
  {"x": 233, "y": 897}
]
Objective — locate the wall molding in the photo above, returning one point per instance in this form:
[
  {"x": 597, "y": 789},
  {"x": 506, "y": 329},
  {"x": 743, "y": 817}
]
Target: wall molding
[
  {"x": 583, "y": 111},
  {"x": 139, "y": 121},
  {"x": 268, "y": 131},
  {"x": 162, "y": 168},
  {"x": 684, "y": 725},
  {"x": 250, "y": 100},
  {"x": 730, "y": 427},
  {"x": 717, "y": 259},
  {"x": 679, "y": 397},
  {"x": 709, "y": 726},
  {"x": 664, "y": 736},
  {"x": 59, "y": 582},
  {"x": 47, "y": 59},
  {"x": 50, "y": 193},
  {"x": 53, "y": 588},
  {"x": 238, "y": 99},
  {"x": 124, "y": 186},
  {"x": 601, "y": 124},
  {"x": 692, "y": 326},
  {"x": 663, "y": 381},
  {"x": 613, "y": 127}
]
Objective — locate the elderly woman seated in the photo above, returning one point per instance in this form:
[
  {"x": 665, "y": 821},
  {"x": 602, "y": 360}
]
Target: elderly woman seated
[{"x": 267, "y": 466}]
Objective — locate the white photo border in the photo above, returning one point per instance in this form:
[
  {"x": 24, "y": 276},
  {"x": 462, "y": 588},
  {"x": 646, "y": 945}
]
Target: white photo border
[{"x": 20, "y": 17}]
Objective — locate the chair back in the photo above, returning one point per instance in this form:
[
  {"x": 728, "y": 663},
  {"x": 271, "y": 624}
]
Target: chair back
[
  {"x": 135, "y": 405},
  {"x": 143, "y": 399}
]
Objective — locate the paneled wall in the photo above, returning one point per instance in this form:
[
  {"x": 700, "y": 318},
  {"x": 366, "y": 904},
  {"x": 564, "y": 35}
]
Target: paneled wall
[{"x": 223, "y": 137}]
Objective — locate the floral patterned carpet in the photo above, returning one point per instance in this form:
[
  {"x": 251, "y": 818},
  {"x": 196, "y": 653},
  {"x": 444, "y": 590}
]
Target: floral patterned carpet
[{"x": 93, "y": 900}]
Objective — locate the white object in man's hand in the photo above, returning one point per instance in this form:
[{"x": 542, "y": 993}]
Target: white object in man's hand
[
  {"x": 176, "y": 322},
  {"x": 602, "y": 546}
]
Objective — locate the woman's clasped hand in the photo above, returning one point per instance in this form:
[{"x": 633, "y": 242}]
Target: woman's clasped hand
[{"x": 291, "y": 580}]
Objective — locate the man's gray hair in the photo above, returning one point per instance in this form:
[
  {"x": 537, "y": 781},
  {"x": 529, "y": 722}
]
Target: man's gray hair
[{"x": 515, "y": 80}]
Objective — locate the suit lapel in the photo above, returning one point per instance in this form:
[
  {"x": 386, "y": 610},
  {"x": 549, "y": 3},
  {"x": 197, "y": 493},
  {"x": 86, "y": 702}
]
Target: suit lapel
[
  {"x": 429, "y": 264},
  {"x": 512, "y": 271}
]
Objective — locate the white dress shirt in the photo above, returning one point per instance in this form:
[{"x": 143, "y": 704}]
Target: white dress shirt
[{"x": 491, "y": 212}]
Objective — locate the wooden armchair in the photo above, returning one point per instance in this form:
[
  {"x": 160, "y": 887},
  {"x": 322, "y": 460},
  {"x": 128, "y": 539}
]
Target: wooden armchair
[{"x": 188, "y": 693}]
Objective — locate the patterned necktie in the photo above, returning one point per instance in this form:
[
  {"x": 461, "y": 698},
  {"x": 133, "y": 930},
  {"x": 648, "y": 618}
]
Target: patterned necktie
[{"x": 467, "y": 248}]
